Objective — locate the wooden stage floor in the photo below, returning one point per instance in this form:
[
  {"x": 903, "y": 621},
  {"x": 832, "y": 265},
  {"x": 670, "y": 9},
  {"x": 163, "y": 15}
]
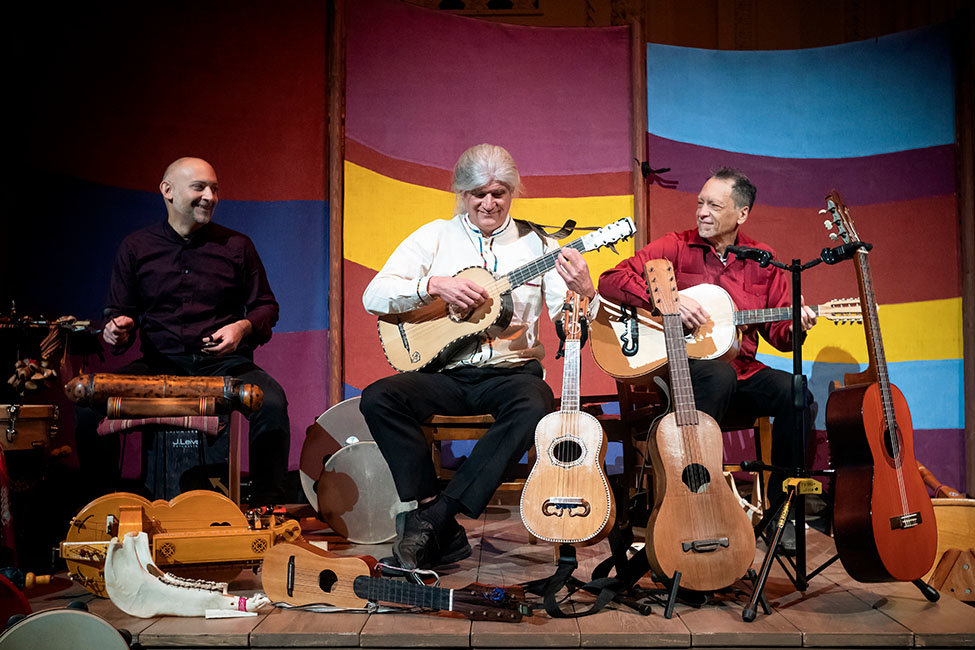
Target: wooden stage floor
[{"x": 834, "y": 612}]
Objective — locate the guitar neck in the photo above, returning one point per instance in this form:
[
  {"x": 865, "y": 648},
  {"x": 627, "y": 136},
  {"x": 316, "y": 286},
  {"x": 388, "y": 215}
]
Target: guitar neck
[
  {"x": 539, "y": 266},
  {"x": 875, "y": 343},
  {"x": 570, "y": 377},
  {"x": 769, "y": 315},
  {"x": 403, "y": 593},
  {"x": 685, "y": 408}
]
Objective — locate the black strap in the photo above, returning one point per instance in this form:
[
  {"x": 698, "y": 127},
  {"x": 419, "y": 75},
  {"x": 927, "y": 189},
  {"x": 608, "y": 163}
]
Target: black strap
[
  {"x": 564, "y": 231},
  {"x": 605, "y": 588}
]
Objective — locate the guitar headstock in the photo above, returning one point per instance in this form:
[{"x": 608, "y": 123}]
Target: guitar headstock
[
  {"x": 840, "y": 218},
  {"x": 609, "y": 234},
  {"x": 489, "y": 603},
  {"x": 572, "y": 315},
  {"x": 842, "y": 310},
  {"x": 662, "y": 286}
]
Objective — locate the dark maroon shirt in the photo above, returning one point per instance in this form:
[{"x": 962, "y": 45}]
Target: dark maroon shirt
[
  {"x": 696, "y": 262},
  {"x": 181, "y": 290}
]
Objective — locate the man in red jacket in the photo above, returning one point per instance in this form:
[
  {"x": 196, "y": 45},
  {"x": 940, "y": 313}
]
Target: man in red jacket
[{"x": 700, "y": 256}]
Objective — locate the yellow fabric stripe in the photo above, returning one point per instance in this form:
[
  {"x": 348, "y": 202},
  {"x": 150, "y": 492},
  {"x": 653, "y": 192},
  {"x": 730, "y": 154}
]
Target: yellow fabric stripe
[
  {"x": 380, "y": 212},
  {"x": 924, "y": 330}
]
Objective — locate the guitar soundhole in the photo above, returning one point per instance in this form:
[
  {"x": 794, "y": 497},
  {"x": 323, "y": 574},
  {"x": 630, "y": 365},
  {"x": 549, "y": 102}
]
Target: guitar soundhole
[
  {"x": 567, "y": 451},
  {"x": 889, "y": 442},
  {"x": 696, "y": 477},
  {"x": 326, "y": 579}
]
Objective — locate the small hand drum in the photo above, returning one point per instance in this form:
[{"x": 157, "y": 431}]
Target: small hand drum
[
  {"x": 346, "y": 479},
  {"x": 62, "y": 629},
  {"x": 356, "y": 495}
]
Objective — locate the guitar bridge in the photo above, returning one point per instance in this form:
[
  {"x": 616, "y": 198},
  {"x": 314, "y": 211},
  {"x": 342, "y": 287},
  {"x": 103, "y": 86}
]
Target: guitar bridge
[
  {"x": 557, "y": 505},
  {"x": 704, "y": 545},
  {"x": 909, "y": 520}
]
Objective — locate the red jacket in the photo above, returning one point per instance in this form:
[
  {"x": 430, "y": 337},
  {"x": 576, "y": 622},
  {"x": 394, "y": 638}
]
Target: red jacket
[{"x": 696, "y": 262}]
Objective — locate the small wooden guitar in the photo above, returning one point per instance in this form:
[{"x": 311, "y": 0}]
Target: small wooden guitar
[
  {"x": 567, "y": 498},
  {"x": 697, "y": 526},
  {"x": 885, "y": 529},
  {"x": 628, "y": 342},
  {"x": 303, "y": 574},
  {"x": 424, "y": 338}
]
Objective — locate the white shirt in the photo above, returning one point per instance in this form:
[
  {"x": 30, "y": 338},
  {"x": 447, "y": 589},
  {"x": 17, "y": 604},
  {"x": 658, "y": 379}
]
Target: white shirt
[{"x": 446, "y": 246}]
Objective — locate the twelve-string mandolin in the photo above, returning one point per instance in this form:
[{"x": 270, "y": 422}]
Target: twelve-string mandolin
[{"x": 424, "y": 338}]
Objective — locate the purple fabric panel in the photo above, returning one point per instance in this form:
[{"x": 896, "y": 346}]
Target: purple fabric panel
[
  {"x": 422, "y": 86},
  {"x": 299, "y": 362},
  {"x": 803, "y": 182},
  {"x": 943, "y": 452}
]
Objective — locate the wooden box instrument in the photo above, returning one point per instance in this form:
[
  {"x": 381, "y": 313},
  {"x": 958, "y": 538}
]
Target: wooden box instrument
[
  {"x": 199, "y": 534},
  {"x": 27, "y": 426}
]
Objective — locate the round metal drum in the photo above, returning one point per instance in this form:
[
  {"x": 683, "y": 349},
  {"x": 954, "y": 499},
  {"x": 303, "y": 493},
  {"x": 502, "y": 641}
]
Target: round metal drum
[
  {"x": 337, "y": 427},
  {"x": 62, "y": 629},
  {"x": 356, "y": 495}
]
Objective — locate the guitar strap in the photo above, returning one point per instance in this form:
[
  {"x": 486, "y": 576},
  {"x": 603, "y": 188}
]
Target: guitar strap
[{"x": 564, "y": 231}]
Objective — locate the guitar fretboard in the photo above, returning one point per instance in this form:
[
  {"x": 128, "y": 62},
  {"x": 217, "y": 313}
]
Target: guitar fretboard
[
  {"x": 541, "y": 265},
  {"x": 404, "y": 593},
  {"x": 685, "y": 408},
  {"x": 570, "y": 377},
  {"x": 770, "y": 315}
]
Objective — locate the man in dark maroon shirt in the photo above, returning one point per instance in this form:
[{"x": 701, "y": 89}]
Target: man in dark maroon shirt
[
  {"x": 199, "y": 296},
  {"x": 699, "y": 256}
]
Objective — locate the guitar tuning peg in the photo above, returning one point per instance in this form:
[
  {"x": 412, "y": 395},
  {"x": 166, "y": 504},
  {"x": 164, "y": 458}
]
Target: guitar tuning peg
[
  {"x": 828, "y": 224},
  {"x": 833, "y": 236}
]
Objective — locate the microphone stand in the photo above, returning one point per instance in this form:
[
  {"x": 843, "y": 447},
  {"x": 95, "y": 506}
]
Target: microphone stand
[{"x": 795, "y": 499}]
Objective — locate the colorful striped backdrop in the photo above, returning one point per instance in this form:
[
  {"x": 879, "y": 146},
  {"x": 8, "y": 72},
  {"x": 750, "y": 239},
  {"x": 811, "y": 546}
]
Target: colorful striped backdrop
[
  {"x": 873, "y": 120},
  {"x": 423, "y": 86}
]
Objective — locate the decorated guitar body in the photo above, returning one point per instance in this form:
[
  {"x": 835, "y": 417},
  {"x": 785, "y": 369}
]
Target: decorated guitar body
[
  {"x": 424, "y": 338},
  {"x": 885, "y": 528},
  {"x": 567, "y": 498},
  {"x": 628, "y": 342},
  {"x": 696, "y": 526}
]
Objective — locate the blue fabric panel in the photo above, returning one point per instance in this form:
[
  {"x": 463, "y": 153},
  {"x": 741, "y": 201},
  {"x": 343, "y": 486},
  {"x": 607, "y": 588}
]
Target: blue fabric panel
[{"x": 887, "y": 94}]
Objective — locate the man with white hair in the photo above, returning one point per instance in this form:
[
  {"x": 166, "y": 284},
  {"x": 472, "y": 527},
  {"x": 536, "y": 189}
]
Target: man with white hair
[{"x": 498, "y": 373}]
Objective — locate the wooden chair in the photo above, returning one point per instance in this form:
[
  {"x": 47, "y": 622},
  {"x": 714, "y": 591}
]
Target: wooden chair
[{"x": 440, "y": 428}]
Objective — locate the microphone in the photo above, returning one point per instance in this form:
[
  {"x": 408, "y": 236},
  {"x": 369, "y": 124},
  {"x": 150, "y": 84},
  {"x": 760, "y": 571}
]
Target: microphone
[
  {"x": 842, "y": 252},
  {"x": 763, "y": 257}
]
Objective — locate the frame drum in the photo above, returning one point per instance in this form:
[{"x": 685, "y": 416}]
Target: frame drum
[
  {"x": 337, "y": 427},
  {"x": 357, "y": 497},
  {"x": 27, "y": 426},
  {"x": 62, "y": 629}
]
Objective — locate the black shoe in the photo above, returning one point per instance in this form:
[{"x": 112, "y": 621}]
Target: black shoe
[
  {"x": 454, "y": 546},
  {"x": 417, "y": 544}
]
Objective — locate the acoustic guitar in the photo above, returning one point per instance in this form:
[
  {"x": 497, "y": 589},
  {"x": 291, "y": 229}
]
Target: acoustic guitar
[
  {"x": 885, "y": 528},
  {"x": 302, "y": 574},
  {"x": 424, "y": 338},
  {"x": 628, "y": 342},
  {"x": 567, "y": 498},
  {"x": 696, "y": 526}
]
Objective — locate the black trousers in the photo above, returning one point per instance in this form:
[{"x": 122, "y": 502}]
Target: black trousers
[
  {"x": 394, "y": 408},
  {"x": 270, "y": 428},
  {"x": 717, "y": 391}
]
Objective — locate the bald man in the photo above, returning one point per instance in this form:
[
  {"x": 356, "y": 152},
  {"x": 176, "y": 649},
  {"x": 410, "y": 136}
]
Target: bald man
[{"x": 198, "y": 294}]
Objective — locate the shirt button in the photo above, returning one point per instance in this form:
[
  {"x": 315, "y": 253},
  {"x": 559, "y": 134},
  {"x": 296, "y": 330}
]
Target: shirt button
[{"x": 186, "y": 271}]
